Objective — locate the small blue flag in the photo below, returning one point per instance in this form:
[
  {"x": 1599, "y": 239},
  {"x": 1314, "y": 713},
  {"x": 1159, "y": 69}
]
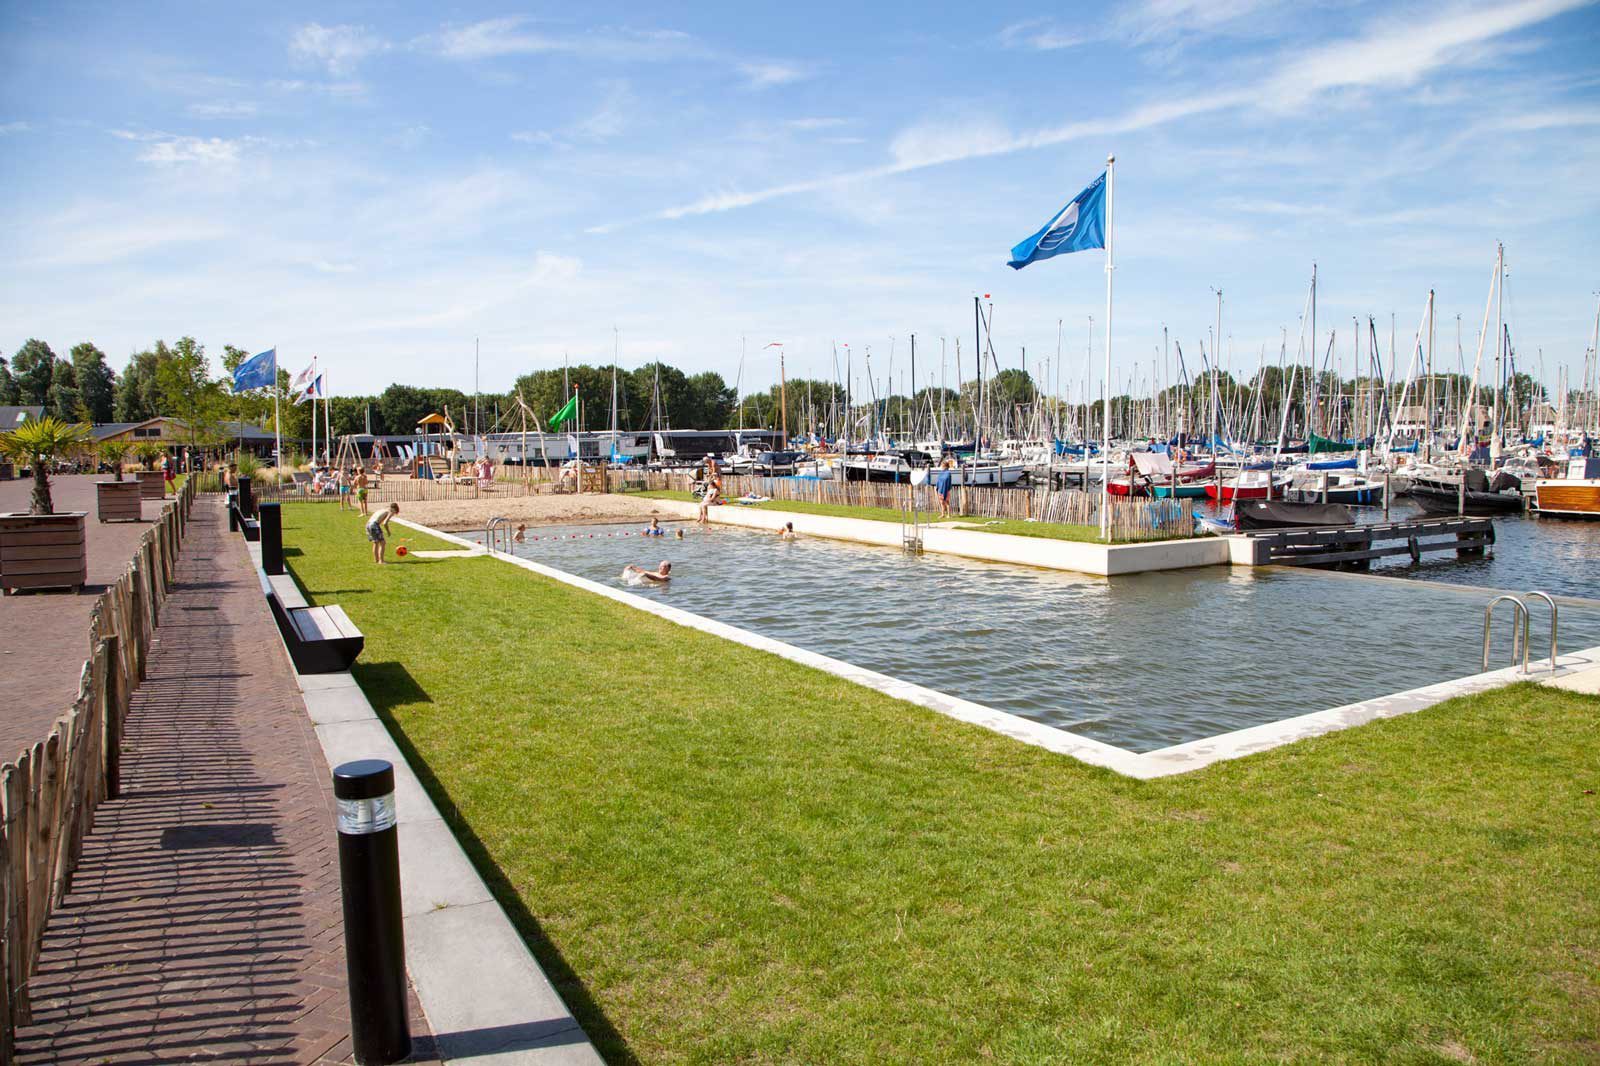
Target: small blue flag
[
  {"x": 257, "y": 372},
  {"x": 1079, "y": 226}
]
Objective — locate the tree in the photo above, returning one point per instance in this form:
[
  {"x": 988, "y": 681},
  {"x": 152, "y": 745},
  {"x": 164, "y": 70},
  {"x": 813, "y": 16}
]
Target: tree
[
  {"x": 710, "y": 403},
  {"x": 8, "y": 384},
  {"x": 38, "y": 442},
  {"x": 64, "y": 403},
  {"x": 137, "y": 395},
  {"x": 34, "y": 368},
  {"x": 96, "y": 383},
  {"x": 187, "y": 391}
]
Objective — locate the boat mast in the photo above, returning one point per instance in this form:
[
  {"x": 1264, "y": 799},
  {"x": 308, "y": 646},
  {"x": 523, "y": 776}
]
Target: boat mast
[{"x": 1499, "y": 344}]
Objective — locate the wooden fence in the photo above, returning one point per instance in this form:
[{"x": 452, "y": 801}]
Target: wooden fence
[
  {"x": 1131, "y": 519},
  {"x": 48, "y": 795}
]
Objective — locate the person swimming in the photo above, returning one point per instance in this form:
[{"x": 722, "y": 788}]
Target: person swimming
[
  {"x": 655, "y": 529},
  {"x": 678, "y": 533},
  {"x": 521, "y": 534},
  {"x": 634, "y": 574},
  {"x": 787, "y": 532}
]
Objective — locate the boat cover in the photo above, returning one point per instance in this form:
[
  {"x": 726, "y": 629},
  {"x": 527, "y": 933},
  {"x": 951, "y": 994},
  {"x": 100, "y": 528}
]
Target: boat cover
[{"x": 1280, "y": 514}]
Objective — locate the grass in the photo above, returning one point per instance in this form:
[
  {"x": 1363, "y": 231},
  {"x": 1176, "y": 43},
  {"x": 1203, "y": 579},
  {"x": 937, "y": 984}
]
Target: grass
[{"x": 721, "y": 856}]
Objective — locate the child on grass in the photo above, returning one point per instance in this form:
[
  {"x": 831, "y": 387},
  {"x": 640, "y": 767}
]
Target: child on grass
[{"x": 377, "y": 527}]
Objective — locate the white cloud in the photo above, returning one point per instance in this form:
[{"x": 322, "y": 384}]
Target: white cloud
[
  {"x": 1555, "y": 118},
  {"x": 512, "y": 35},
  {"x": 768, "y": 74},
  {"x": 1041, "y": 35},
  {"x": 15, "y": 127},
  {"x": 610, "y": 118},
  {"x": 534, "y": 137},
  {"x": 817, "y": 123},
  {"x": 1390, "y": 53},
  {"x": 170, "y": 149},
  {"x": 339, "y": 48},
  {"x": 552, "y": 269},
  {"x": 223, "y": 109},
  {"x": 1166, "y": 19},
  {"x": 412, "y": 136},
  {"x": 342, "y": 89}
]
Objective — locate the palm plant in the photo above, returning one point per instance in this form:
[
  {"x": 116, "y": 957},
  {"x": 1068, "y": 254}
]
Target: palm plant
[
  {"x": 114, "y": 453},
  {"x": 149, "y": 454},
  {"x": 36, "y": 443}
]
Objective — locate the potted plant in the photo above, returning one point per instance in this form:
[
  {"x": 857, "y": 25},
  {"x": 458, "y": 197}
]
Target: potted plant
[
  {"x": 116, "y": 500},
  {"x": 152, "y": 486},
  {"x": 39, "y": 548}
]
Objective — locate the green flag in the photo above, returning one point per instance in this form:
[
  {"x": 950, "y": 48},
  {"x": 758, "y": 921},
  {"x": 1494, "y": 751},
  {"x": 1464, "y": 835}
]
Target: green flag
[{"x": 567, "y": 412}]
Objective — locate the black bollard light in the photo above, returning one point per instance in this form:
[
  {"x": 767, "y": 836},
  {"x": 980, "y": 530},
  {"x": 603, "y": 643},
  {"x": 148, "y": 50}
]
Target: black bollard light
[
  {"x": 247, "y": 500},
  {"x": 233, "y": 510},
  {"x": 374, "y": 938},
  {"x": 271, "y": 519}
]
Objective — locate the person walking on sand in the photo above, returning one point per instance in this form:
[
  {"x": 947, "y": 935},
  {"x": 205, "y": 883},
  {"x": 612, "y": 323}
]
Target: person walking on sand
[{"x": 377, "y": 531}]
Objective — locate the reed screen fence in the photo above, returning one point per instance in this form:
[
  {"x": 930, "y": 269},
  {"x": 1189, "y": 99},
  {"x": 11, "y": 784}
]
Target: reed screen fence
[
  {"x": 49, "y": 793},
  {"x": 1133, "y": 519}
]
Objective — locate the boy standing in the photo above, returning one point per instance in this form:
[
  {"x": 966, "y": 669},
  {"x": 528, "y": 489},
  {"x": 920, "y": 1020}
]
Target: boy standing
[{"x": 377, "y": 531}]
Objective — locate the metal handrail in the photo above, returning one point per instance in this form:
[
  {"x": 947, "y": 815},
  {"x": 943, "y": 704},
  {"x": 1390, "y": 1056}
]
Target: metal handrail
[
  {"x": 496, "y": 524},
  {"x": 1519, "y": 611},
  {"x": 1555, "y": 623}
]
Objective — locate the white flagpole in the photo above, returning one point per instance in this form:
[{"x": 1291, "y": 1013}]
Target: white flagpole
[
  {"x": 311, "y": 384},
  {"x": 327, "y": 418},
  {"x": 1105, "y": 439},
  {"x": 277, "y": 419}
]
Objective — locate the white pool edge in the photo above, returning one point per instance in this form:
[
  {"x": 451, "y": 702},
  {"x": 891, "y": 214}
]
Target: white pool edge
[{"x": 1162, "y": 762}]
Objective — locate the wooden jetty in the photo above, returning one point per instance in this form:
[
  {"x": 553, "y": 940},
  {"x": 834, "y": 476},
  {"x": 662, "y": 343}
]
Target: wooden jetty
[{"x": 1354, "y": 547}]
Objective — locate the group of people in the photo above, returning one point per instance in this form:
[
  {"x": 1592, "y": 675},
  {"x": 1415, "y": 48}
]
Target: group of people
[{"x": 352, "y": 488}]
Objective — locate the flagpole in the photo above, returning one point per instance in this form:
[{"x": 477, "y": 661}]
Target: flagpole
[
  {"x": 1105, "y": 439},
  {"x": 277, "y": 419}
]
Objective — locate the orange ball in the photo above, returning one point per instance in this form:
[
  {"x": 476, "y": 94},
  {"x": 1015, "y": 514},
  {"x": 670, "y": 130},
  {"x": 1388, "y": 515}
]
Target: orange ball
[{"x": 400, "y": 550}]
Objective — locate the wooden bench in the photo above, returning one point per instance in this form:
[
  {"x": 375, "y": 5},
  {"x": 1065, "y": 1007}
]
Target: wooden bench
[
  {"x": 321, "y": 640},
  {"x": 250, "y": 526}
]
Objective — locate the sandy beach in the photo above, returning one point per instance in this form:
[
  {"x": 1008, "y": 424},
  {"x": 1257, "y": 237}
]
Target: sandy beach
[{"x": 454, "y": 516}]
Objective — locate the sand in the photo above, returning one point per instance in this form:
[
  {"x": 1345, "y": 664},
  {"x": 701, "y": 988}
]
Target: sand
[{"x": 454, "y": 516}]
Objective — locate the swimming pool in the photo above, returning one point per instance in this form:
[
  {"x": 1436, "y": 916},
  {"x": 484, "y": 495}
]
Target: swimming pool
[{"x": 1142, "y": 661}]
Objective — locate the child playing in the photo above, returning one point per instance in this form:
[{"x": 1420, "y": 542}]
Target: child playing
[{"x": 377, "y": 527}]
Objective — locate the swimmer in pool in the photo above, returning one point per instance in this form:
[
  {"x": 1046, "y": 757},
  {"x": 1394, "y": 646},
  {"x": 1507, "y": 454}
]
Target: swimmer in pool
[
  {"x": 655, "y": 529},
  {"x": 787, "y": 532},
  {"x": 635, "y": 574},
  {"x": 678, "y": 533},
  {"x": 522, "y": 534}
]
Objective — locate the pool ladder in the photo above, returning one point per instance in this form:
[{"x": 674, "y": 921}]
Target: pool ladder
[
  {"x": 1519, "y": 637},
  {"x": 910, "y": 525},
  {"x": 497, "y": 531}
]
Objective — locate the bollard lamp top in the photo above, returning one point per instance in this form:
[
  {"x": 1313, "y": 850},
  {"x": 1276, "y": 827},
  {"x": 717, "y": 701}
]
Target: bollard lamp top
[{"x": 363, "y": 779}]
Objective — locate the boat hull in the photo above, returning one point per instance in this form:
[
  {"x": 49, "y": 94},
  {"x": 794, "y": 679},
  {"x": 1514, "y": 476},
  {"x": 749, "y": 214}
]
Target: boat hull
[
  {"x": 1579, "y": 499},
  {"x": 1477, "y": 504}
]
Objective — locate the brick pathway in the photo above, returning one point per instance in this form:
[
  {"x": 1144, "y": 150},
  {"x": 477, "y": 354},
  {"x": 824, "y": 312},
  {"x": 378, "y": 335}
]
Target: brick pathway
[
  {"x": 204, "y": 922},
  {"x": 44, "y": 636}
]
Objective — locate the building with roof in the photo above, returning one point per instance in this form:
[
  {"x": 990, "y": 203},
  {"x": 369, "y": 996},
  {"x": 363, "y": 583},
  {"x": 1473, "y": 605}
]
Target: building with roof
[{"x": 12, "y": 417}]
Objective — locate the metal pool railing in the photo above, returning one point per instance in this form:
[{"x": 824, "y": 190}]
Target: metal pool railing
[{"x": 1519, "y": 637}]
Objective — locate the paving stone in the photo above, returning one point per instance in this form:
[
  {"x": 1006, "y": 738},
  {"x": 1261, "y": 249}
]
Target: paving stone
[{"x": 204, "y": 922}]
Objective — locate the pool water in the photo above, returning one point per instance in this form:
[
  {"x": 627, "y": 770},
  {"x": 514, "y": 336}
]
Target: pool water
[{"x": 1140, "y": 661}]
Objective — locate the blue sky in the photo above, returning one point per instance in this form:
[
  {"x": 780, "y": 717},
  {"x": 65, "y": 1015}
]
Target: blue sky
[{"x": 379, "y": 185}]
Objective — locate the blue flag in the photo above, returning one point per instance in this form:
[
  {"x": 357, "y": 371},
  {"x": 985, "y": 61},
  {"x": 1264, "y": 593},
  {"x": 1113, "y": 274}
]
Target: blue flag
[
  {"x": 257, "y": 372},
  {"x": 1079, "y": 226}
]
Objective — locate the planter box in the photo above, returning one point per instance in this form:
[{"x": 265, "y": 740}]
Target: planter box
[
  {"x": 7, "y": 472},
  {"x": 119, "y": 501},
  {"x": 152, "y": 486},
  {"x": 43, "y": 551}
]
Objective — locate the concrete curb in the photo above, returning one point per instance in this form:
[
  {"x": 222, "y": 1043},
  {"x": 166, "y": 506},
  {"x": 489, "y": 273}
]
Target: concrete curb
[
  {"x": 484, "y": 993},
  {"x": 1163, "y": 762},
  {"x": 1102, "y": 560}
]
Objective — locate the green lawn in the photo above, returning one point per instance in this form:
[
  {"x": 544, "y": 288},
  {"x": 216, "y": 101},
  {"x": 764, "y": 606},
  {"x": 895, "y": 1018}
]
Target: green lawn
[{"x": 722, "y": 856}]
